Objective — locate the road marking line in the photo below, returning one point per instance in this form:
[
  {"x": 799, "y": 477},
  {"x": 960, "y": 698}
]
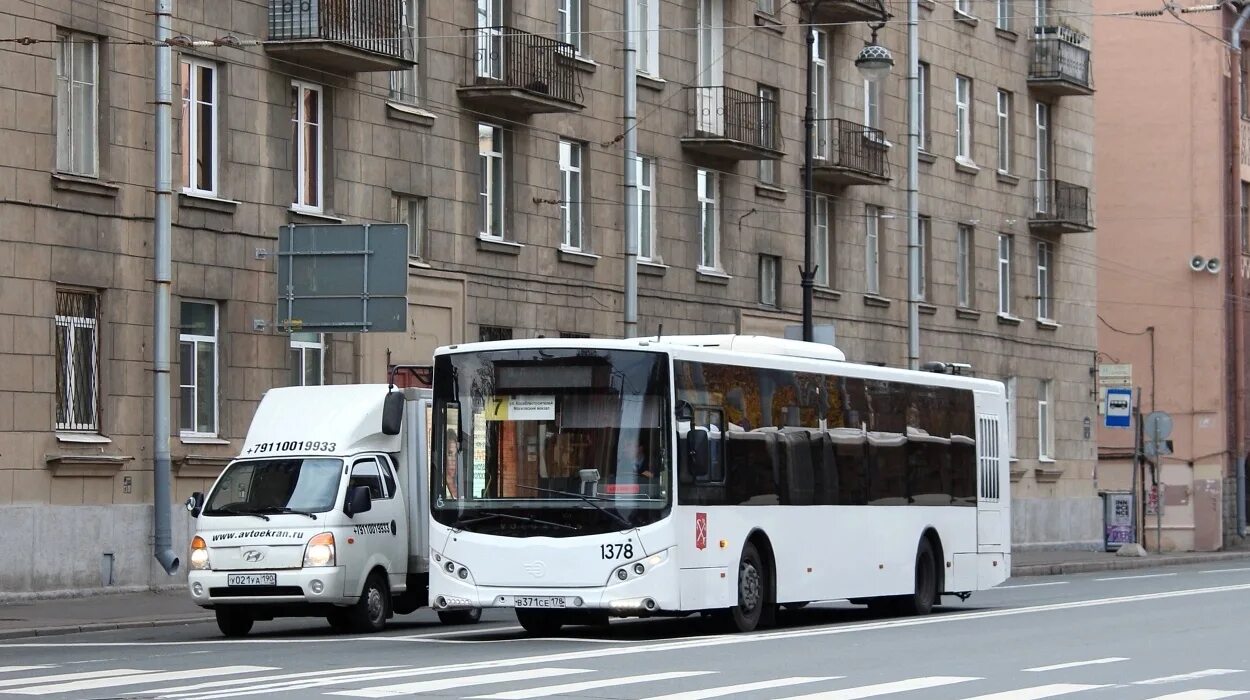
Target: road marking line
[
  {"x": 1035, "y": 585},
  {"x": 262, "y": 679},
  {"x": 567, "y": 688},
  {"x": 1074, "y": 664},
  {"x": 135, "y": 679},
  {"x": 1201, "y": 694},
  {"x": 386, "y": 691},
  {"x": 1207, "y": 673},
  {"x": 870, "y": 691},
  {"x": 15, "y": 682},
  {"x": 1126, "y": 578},
  {"x": 1038, "y": 692},
  {"x": 1221, "y": 571},
  {"x": 743, "y": 688},
  {"x": 15, "y": 669}
]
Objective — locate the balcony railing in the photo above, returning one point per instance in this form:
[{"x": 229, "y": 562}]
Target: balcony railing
[
  {"x": 342, "y": 36},
  {"x": 732, "y": 124},
  {"x": 511, "y": 71},
  {"x": 837, "y": 11},
  {"x": 847, "y": 153},
  {"x": 1060, "y": 207},
  {"x": 1060, "y": 63}
]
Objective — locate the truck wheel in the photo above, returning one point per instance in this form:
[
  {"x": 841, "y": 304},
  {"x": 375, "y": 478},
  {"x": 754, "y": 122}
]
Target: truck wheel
[
  {"x": 369, "y": 614},
  {"x": 460, "y": 617},
  {"x": 233, "y": 622},
  {"x": 539, "y": 623},
  {"x": 752, "y": 591}
]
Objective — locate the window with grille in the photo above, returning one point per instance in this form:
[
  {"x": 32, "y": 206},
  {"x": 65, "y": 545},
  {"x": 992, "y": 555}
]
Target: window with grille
[
  {"x": 987, "y": 444},
  {"x": 77, "y": 360}
]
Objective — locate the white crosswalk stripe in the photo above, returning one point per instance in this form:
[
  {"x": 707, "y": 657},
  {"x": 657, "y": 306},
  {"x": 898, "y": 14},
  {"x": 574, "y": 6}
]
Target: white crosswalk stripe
[
  {"x": 1038, "y": 691},
  {"x": 1206, "y": 673},
  {"x": 207, "y": 685},
  {"x": 1075, "y": 664},
  {"x": 566, "y": 688},
  {"x": 387, "y": 691},
  {"x": 878, "y": 689},
  {"x": 724, "y": 690},
  {"x": 135, "y": 678},
  {"x": 1201, "y": 694},
  {"x": 104, "y": 673}
]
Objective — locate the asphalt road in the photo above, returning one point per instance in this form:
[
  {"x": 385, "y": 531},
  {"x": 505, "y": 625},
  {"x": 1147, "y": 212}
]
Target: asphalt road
[{"x": 1175, "y": 633}]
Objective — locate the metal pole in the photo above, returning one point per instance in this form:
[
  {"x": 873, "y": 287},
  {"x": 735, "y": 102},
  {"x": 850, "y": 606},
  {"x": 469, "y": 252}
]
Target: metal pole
[
  {"x": 807, "y": 276},
  {"x": 1154, "y": 437},
  {"x": 1137, "y": 449},
  {"x": 162, "y": 543},
  {"x": 913, "y": 205},
  {"x": 631, "y": 169}
]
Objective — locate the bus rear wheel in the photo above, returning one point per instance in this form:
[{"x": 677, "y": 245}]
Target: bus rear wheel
[
  {"x": 752, "y": 591},
  {"x": 538, "y": 622},
  {"x": 921, "y": 602}
]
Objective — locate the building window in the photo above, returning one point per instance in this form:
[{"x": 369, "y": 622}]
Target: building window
[
  {"x": 646, "y": 209},
  {"x": 309, "y": 145},
  {"x": 489, "y": 333},
  {"x": 820, "y": 92},
  {"x": 1041, "y": 12},
  {"x": 820, "y": 243},
  {"x": 872, "y": 249},
  {"x": 1004, "y": 274},
  {"x": 1046, "y": 420},
  {"x": 571, "y": 193},
  {"x": 1003, "y": 17},
  {"x": 1012, "y": 397},
  {"x": 1245, "y": 217},
  {"x": 770, "y": 280},
  {"x": 963, "y": 118},
  {"x": 767, "y": 7},
  {"x": 569, "y": 14},
  {"x": 491, "y": 191},
  {"x": 77, "y": 104},
  {"x": 926, "y": 252},
  {"x": 197, "y": 366},
  {"x": 77, "y": 360},
  {"x": 308, "y": 359},
  {"x": 1005, "y": 131},
  {"x": 1045, "y": 281},
  {"x": 922, "y": 98},
  {"x": 411, "y": 211},
  {"x": 490, "y": 39},
  {"x": 963, "y": 7},
  {"x": 406, "y": 84},
  {"x": 1243, "y": 65},
  {"x": 1041, "y": 156},
  {"x": 872, "y": 103},
  {"x": 709, "y": 221},
  {"x": 199, "y": 126},
  {"x": 768, "y": 131},
  {"x": 573, "y": 334},
  {"x": 964, "y": 265},
  {"x": 648, "y": 44}
]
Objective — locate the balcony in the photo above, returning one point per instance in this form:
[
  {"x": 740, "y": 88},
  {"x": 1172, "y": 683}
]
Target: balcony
[
  {"x": 1060, "y": 207},
  {"x": 515, "y": 73},
  {"x": 847, "y": 153},
  {"x": 836, "y": 11},
  {"x": 731, "y": 124},
  {"x": 340, "y": 36},
  {"x": 1060, "y": 63}
]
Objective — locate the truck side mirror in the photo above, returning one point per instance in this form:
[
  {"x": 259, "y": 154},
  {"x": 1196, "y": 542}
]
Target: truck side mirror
[
  {"x": 195, "y": 504},
  {"x": 357, "y": 501},
  {"x": 392, "y": 413},
  {"x": 697, "y": 452}
]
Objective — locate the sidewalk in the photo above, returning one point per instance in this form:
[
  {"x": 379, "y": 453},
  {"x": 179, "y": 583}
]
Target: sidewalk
[{"x": 38, "y": 618}]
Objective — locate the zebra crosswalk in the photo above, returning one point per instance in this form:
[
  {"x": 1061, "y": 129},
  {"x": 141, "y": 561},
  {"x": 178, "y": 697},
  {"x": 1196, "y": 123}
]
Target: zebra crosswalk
[{"x": 140, "y": 680}]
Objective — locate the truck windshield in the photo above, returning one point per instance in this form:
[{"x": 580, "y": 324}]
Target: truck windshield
[
  {"x": 551, "y": 441},
  {"x": 275, "y": 486}
]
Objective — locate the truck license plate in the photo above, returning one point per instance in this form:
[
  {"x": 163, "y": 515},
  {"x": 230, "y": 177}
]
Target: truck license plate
[
  {"x": 539, "y": 602},
  {"x": 251, "y": 579}
]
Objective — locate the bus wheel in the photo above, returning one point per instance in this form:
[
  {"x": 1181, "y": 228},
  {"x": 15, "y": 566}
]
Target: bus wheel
[
  {"x": 539, "y": 623},
  {"x": 752, "y": 591},
  {"x": 921, "y": 602},
  {"x": 460, "y": 617}
]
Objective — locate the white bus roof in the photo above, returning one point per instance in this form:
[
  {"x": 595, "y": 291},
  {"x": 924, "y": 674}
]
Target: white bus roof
[{"x": 346, "y": 416}]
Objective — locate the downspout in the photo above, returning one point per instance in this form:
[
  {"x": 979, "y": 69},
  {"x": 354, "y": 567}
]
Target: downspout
[{"x": 1234, "y": 257}]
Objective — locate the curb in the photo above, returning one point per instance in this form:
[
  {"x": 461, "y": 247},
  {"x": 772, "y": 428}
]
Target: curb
[
  {"x": 1123, "y": 563},
  {"x": 98, "y": 627}
]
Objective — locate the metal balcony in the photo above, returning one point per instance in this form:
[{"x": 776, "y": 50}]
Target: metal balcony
[
  {"x": 846, "y": 153},
  {"x": 731, "y": 124},
  {"x": 340, "y": 36},
  {"x": 834, "y": 11},
  {"x": 1060, "y": 207},
  {"x": 1060, "y": 64},
  {"x": 511, "y": 72}
]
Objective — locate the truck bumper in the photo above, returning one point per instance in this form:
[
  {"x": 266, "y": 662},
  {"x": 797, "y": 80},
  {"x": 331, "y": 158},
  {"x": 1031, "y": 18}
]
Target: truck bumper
[{"x": 311, "y": 586}]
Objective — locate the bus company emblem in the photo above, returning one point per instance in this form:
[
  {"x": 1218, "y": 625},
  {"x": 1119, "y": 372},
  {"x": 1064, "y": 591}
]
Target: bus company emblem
[
  {"x": 535, "y": 568},
  {"x": 700, "y": 530}
]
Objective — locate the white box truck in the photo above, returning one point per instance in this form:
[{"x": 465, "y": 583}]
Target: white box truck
[{"x": 324, "y": 513}]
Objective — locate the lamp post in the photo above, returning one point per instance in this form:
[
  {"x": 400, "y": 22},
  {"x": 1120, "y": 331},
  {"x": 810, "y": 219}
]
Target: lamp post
[{"x": 874, "y": 62}]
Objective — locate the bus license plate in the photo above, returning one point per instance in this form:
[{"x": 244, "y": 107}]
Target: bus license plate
[
  {"x": 251, "y": 579},
  {"x": 539, "y": 602}
]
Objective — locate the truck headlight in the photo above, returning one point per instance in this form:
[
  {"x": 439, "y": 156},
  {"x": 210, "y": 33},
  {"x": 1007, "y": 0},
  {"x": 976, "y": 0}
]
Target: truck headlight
[
  {"x": 199, "y": 554},
  {"x": 320, "y": 550}
]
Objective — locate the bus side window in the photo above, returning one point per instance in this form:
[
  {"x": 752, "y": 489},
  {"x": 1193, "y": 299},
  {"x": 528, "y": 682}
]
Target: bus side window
[{"x": 713, "y": 420}]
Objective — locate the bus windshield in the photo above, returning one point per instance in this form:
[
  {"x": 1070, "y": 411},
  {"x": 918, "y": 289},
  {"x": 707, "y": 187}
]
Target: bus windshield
[{"x": 551, "y": 441}]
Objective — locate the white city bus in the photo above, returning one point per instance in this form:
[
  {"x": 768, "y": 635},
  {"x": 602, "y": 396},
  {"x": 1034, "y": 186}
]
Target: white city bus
[{"x": 577, "y": 480}]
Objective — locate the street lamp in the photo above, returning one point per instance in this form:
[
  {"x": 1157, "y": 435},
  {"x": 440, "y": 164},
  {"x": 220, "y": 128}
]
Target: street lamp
[{"x": 874, "y": 62}]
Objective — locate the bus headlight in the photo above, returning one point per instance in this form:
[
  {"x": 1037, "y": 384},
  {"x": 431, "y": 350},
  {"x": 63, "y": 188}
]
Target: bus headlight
[
  {"x": 199, "y": 554},
  {"x": 320, "y": 550},
  {"x": 638, "y": 568}
]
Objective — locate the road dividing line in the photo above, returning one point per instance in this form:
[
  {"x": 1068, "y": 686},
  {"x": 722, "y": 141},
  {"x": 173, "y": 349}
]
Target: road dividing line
[
  {"x": 1207, "y": 673},
  {"x": 1038, "y": 692},
  {"x": 1127, "y": 578},
  {"x": 1032, "y": 585},
  {"x": 1074, "y": 664},
  {"x": 15, "y": 669}
]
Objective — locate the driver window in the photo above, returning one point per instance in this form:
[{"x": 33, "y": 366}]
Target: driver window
[{"x": 366, "y": 473}]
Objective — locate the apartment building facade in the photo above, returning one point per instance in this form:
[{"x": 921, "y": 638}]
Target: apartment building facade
[{"x": 494, "y": 130}]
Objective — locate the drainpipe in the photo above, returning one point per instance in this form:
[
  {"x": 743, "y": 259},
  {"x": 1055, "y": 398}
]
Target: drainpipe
[{"x": 1234, "y": 302}]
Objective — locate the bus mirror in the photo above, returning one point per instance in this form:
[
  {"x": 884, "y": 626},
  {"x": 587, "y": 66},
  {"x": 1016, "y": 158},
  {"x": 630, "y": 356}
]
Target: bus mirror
[
  {"x": 392, "y": 413},
  {"x": 195, "y": 504},
  {"x": 697, "y": 452},
  {"x": 358, "y": 501}
]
